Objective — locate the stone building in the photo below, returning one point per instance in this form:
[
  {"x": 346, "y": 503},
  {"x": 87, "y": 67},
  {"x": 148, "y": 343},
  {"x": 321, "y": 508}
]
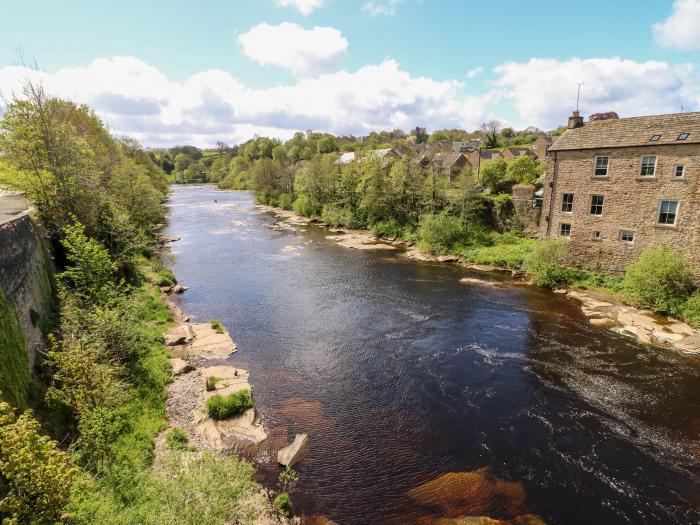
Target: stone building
[
  {"x": 541, "y": 145},
  {"x": 615, "y": 187}
]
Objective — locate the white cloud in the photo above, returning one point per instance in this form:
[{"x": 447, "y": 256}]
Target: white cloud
[
  {"x": 304, "y": 6},
  {"x": 136, "y": 99},
  {"x": 543, "y": 91},
  {"x": 379, "y": 7},
  {"x": 681, "y": 30},
  {"x": 302, "y": 51},
  {"x": 475, "y": 71}
]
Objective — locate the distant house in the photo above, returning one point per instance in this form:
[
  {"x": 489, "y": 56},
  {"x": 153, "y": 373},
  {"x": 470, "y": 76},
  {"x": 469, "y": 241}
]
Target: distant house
[
  {"x": 514, "y": 153},
  {"x": 469, "y": 145},
  {"x": 449, "y": 164},
  {"x": 386, "y": 155},
  {"x": 541, "y": 146},
  {"x": 478, "y": 156}
]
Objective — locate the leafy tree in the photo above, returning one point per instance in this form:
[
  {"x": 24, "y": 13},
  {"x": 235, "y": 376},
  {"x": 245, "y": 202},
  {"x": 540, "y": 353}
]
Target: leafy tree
[
  {"x": 507, "y": 133},
  {"x": 523, "y": 170},
  {"x": 491, "y": 129},
  {"x": 494, "y": 174},
  {"x": 327, "y": 145},
  {"x": 182, "y": 162}
]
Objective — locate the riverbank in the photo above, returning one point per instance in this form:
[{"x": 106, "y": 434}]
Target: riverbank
[{"x": 602, "y": 309}]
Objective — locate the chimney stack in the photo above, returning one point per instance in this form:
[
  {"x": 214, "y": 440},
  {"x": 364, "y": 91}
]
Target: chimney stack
[{"x": 575, "y": 120}]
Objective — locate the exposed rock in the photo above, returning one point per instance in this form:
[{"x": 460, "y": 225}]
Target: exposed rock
[
  {"x": 229, "y": 380},
  {"x": 561, "y": 291},
  {"x": 486, "y": 268},
  {"x": 448, "y": 258},
  {"x": 474, "y": 493},
  {"x": 360, "y": 240},
  {"x": 208, "y": 343},
  {"x": 180, "y": 366},
  {"x": 602, "y": 322},
  {"x": 666, "y": 337},
  {"x": 526, "y": 519},
  {"x": 177, "y": 335},
  {"x": 472, "y": 280},
  {"x": 179, "y": 288},
  {"x": 417, "y": 255},
  {"x": 223, "y": 434},
  {"x": 317, "y": 520},
  {"x": 292, "y": 453}
]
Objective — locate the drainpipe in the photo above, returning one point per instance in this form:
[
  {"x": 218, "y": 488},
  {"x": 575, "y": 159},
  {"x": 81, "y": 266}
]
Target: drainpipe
[{"x": 552, "y": 187}]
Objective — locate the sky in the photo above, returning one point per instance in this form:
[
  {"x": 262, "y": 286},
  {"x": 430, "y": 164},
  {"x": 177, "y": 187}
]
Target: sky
[{"x": 185, "y": 72}]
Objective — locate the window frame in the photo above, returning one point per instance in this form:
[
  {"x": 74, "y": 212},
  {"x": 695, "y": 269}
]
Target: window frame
[
  {"x": 607, "y": 166},
  {"x": 655, "y": 138},
  {"x": 675, "y": 215},
  {"x": 675, "y": 171},
  {"x": 570, "y": 204},
  {"x": 683, "y": 136},
  {"x": 600, "y": 205},
  {"x": 641, "y": 166},
  {"x": 599, "y": 237},
  {"x": 626, "y": 241},
  {"x": 561, "y": 228}
]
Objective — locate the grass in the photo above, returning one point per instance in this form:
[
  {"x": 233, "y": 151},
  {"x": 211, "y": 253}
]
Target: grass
[
  {"x": 211, "y": 383},
  {"x": 220, "y": 407},
  {"x": 177, "y": 439},
  {"x": 507, "y": 251},
  {"x": 216, "y": 325},
  {"x": 284, "y": 505}
]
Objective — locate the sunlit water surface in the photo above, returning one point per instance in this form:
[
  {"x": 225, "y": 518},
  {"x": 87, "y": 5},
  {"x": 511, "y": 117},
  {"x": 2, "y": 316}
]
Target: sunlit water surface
[{"x": 400, "y": 374}]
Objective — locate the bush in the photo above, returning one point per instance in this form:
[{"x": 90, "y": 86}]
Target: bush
[
  {"x": 306, "y": 206},
  {"x": 285, "y": 201},
  {"x": 177, "y": 439},
  {"x": 389, "y": 228},
  {"x": 508, "y": 251},
  {"x": 165, "y": 277},
  {"x": 284, "y": 505},
  {"x": 544, "y": 265},
  {"x": 660, "y": 281},
  {"x": 438, "y": 233},
  {"x": 337, "y": 215},
  {"x": 220, "y": 407},
  {"x": 690, "y": 310},
  {"x": 216, "y": 325}
]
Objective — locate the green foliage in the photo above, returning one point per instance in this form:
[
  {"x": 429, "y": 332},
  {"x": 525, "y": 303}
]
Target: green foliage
[
  {"x": 288, "y": 479},
  {"x": 285, "y": 201},
  {"x": 220, "y": 407},
  {"x": 165, "y": 277},
  {"x": 523, "y": 170},
  {"x": 690, "y": 310},
  {"x": 90, "y": 270},
  {"x": 494, "y": 175},
  {"x": 98, "y": 430},
  {"x": 14, "y": 372},
  {"x": 338, "y": 215},
  {"x": 439, "y": 233},
  {"x": 36, "y": 475},
  {"x": 304, "y": 205},
  {"x": 507, "y": 251},
  {"x": 284, "y": 505},
  {"x": 545, "y": 267},
  {"x": 216, "y": 325},
  {"x": 660, "y": 280},
  {"x": 177, "y": 439}
]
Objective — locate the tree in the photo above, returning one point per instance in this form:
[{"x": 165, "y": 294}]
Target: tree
[
  {"x": 494, "y": 174},
  {"x": 182, "y": 162},
  {"x": 221, "y": 147},
  {"x": 421, "y": 135},
  {"x": 491, "y": 130},
  {"x": 523, "y": 170},
  {"x": 327, "y": 145},
  {"x": 507, "y": 133},
  {"x": 279, "y": 153}
]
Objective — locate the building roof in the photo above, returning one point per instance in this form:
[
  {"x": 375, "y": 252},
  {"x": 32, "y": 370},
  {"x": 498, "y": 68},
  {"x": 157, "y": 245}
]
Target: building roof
[
  {"x": 446, "y": 159},
  {"x": 545, "y": 138},
  {"x": 490, "y": 153},
  {"x": 346, "y": 158},
  {"x": 518, "y": 152},
  {"x": 633, "y": 131}
]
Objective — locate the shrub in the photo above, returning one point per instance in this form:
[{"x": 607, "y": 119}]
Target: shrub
[
  {"x": 690, "y": 310},
  {"x": 388, "y": 228},
  {"x": 285, "y": 201},
  {"x": 165, "y": 277},
  {"x": 660, "y": 280},
  {"x": 508, "y": 251},
  {"x": 284, "y": 505},
  {"x": 336, "y": 215},
  {"x": 177, "y": 439},
  {"x": 544, "y": 265},
  {"x": 216, "y": 325},
  {"x": 211, "y": 383},
  {"x": 220, "y": 407},
  {"x": 438, "y": 233},
  {"x": 306, "y": 206}
]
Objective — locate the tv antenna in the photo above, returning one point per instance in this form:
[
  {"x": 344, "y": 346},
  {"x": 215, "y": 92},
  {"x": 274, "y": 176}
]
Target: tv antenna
[{"x": 578, "y": 93}]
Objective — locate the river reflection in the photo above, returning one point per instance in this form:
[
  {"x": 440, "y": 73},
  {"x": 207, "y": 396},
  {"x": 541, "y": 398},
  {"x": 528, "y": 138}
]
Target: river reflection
[{"x": 400, "y": 374}]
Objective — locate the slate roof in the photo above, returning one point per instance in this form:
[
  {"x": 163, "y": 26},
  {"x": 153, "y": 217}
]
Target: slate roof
[
  {"x": 518, "y": 152},
  {"x": 632, "y": 131},
  {"x": 445, "y": 159}
]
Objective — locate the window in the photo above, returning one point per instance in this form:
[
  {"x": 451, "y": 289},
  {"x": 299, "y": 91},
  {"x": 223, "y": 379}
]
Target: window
[
  {"x": 668, "y": 211},
  {"x": 679, "y": 171},
  {"x": 627, "y": 236},
  {"x": 601, "y": 166},
  {"x": 683, "y": 136},
  {"x": 647, "y": 166},
  {"x": 655, "y": 138},
  {"x": 597, "y": 235},
  {"x": 597, "y": 204},
  {"x": 567, "y": 202},
  {"x": 564, "y": 230}
]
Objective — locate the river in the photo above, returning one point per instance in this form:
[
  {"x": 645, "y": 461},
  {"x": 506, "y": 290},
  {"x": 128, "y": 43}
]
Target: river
[{"x": 400, "y": 374}]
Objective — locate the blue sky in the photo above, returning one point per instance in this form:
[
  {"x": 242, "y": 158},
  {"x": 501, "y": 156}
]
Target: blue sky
[{"x": 210, "y": 70}]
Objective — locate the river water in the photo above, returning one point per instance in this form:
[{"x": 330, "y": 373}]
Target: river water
[{"x": 400, "y": 374}]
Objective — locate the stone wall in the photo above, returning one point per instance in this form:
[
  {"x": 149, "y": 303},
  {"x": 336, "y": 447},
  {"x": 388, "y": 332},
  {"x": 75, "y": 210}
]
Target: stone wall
[
  {"x": 631, "y": 203},
  {"x": 26, "y": 277}
]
